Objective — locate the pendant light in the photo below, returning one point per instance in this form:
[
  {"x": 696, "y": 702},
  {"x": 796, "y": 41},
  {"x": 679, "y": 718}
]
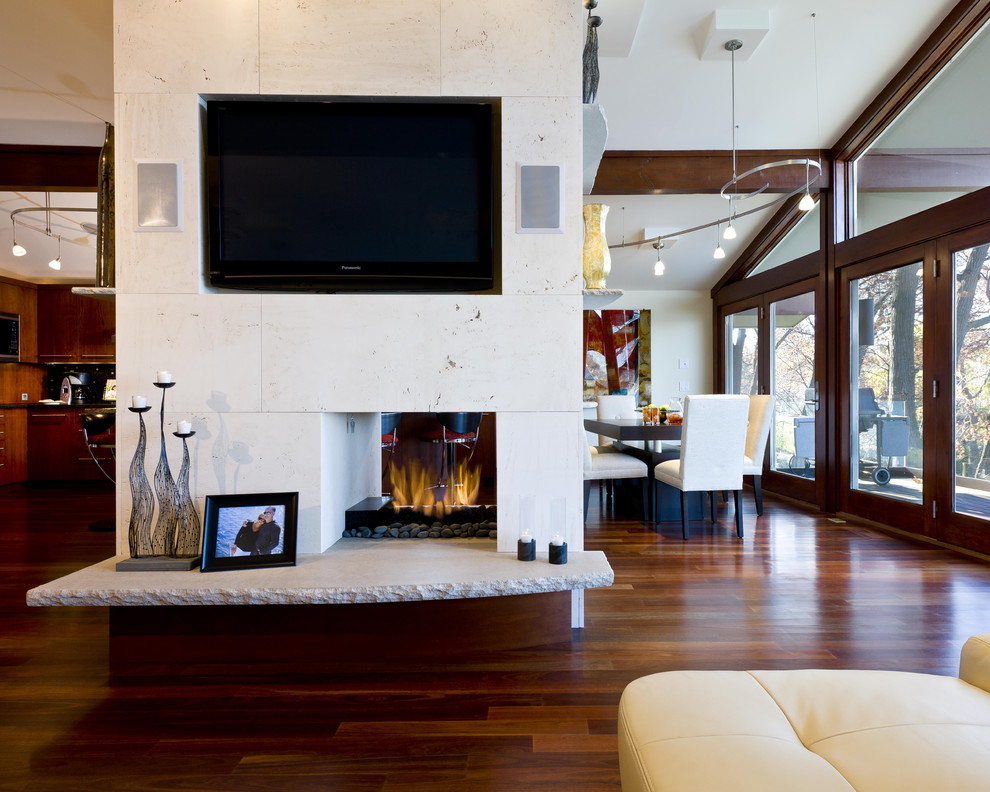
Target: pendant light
[
  {"x": 16, "y": 250},
  {"x": 719, "y": 253},
  {"x": 807, "y": 203},
  {"x": 56, "y": 263},
  {"x": 730, "y": 230},
  {"x": 658, "y": 268}
]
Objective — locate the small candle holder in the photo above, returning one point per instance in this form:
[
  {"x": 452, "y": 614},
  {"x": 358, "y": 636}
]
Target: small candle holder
[
  {"x": 558, "y": 553},
  {"x": 142, "y": 499},
  {"x": 526, "y": 549},
  {"x": 163, "y": 537},
  {"x": 187, "y": 525}
]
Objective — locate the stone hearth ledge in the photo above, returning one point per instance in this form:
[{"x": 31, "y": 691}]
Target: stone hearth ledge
[{"x": 351, "y": 571}]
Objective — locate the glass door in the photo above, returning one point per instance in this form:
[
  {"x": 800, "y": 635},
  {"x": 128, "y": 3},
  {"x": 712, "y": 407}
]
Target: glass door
[
  {"x": 794, "y": 383},
  {"x": 962, "y": 505},
  {"x": 886, "y": 330},
  {"x": 887, "y": 454},
  {"x": 742, "y": 350},
  {"x": 771, "y": 347}
]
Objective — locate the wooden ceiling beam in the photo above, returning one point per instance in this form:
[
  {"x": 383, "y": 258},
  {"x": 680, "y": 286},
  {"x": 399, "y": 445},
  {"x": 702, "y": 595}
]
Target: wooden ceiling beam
[
  {"x": 25, "y": 168},
  {"x": 699, "y": 172}
]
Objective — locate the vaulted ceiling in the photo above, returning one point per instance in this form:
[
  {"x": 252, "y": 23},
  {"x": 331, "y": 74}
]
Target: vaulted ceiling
[{"x": 799, "y": 84}]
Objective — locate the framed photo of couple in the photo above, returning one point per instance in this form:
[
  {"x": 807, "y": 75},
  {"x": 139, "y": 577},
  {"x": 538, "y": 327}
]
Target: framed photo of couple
[{"x": 249, "y": 531}]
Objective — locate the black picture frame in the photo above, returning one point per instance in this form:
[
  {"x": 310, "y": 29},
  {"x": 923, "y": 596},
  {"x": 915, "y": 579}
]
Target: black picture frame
[{"x": 227, "y": 515}]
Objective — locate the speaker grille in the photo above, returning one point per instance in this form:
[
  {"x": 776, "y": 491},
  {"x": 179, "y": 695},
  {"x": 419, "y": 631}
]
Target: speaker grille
[{"x": 539, "y": 208}]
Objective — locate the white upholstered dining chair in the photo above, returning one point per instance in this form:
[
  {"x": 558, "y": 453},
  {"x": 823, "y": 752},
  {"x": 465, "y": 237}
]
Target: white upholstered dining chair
[
  {"x": 618, "y": 405},
  {"x": 757, "y": 434},
  {"x": 610, "y": 466},
  {"x": 713, "y": 439}
]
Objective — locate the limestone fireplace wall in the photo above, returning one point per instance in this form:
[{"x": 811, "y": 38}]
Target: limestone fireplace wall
[{"x": 284, "y": 390}]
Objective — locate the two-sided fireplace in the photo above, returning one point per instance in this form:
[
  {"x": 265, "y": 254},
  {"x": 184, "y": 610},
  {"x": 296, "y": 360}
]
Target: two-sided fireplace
[{"x": 438, "y": 479}]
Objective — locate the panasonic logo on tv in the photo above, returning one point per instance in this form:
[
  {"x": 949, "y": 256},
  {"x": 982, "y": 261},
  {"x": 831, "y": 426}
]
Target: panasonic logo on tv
[{"x": 345, "y": 267}]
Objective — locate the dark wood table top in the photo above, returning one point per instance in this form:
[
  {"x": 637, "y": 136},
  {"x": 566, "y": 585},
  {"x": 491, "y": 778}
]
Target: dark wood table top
[{"x": 632, "y": 429}]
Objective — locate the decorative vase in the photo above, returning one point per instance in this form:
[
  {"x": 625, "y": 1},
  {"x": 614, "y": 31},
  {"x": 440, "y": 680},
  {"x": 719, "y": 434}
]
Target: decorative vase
[
  {"x": 597, "y": 262},
  {"x": 142, "y": 500}
]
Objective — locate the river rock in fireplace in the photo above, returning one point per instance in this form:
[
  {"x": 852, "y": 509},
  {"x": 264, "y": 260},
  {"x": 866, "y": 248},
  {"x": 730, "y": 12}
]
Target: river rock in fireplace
[{"x": 377, "y": 518}]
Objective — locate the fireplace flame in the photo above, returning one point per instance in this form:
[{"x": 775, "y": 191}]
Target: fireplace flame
[{"x": 415, "y": 485}]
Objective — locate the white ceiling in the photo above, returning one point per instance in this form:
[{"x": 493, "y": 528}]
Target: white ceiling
[{"x": 657, "y": 92}]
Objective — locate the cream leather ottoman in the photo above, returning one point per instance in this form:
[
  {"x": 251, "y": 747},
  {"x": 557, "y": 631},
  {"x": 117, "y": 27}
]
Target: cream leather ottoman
[{"x": 809, "y": 730}]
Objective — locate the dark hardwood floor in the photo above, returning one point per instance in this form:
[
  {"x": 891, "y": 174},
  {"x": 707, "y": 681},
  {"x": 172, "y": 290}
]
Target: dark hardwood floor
[{"x": 798, "y": 591}]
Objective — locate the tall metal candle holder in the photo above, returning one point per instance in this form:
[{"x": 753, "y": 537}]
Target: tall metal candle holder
[
  {"x": 142, "y": 499},
  {"x": 187, "y": 539},
  {"x": 163, "y": 539}
]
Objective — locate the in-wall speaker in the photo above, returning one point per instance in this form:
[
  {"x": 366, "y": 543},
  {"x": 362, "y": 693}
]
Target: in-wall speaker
[
  {"x": 159, "y": 191},
  {"x": 539, "y": 199}
]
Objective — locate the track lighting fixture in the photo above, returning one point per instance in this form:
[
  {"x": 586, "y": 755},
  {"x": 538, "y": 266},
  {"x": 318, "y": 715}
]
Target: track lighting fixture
[
  {"x": 20, "y": 250},
  {"x": 16, "y": 250},
  {"x": 56, "y": 263},
  {"x": 733, "y": 191},
  {"x": 658, "y": 268},
  {"x": 730, "y": 230}
]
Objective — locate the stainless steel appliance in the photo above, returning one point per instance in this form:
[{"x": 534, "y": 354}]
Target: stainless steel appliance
[
  {"x": 10, "y": 337},
  {"x": 74, "y": 389}
]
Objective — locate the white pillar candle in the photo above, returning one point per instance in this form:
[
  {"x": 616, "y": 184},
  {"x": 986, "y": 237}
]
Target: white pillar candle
[
  {"x": 164, "y": 377},
  {"x": 557, "y": 540},
  {"x": 139, "y": 401},
  {"x": 185, "y": 427}
]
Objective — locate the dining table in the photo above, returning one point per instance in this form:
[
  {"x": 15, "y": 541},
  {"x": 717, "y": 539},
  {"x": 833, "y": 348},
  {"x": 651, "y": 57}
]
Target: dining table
[{"x": 626, "y": 429}]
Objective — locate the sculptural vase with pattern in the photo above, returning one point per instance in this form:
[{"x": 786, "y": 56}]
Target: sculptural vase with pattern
[{"x": 597, "y": 262}]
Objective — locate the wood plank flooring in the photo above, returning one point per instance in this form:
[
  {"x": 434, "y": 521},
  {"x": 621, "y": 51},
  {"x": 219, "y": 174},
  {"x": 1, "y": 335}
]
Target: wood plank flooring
[{"x": 798, "y": 591}]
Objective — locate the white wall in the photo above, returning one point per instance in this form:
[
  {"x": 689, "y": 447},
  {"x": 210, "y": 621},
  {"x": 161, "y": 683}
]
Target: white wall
[
  {"x": 681, "y": 330},
  {"x": 265, "y": 378}
]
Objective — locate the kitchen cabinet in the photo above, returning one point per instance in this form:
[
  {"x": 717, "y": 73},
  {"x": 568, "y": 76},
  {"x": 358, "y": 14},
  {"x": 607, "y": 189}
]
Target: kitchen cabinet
[
  {"x": 22, "y": 299},
  {"x": 13, "y": 446},
  {"x": 57, "y": 450},
  {"x": 74, "y": 328}
]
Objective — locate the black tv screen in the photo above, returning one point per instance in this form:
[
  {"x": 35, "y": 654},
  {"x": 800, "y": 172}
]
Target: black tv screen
[{"x": 350, "y": 195}]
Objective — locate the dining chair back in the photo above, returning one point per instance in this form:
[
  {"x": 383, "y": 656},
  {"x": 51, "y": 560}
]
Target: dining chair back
[
  {"x": 619, "y": 405},
  {"x": 713, "y": 439},
  {"x": 757, "y": 434}
]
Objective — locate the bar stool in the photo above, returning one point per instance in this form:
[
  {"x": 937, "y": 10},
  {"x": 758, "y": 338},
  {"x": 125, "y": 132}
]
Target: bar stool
[
  {"x": 98, "y": 432},
  {"x": 454, "y": 429},
  {"x": 390, "y": 437}
]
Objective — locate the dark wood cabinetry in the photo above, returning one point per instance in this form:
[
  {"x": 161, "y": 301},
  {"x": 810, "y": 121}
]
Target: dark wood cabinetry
[
  {"x": 22, "y": 299},
  {"x": 13, "y": 446},
  {"x": 57, "y": 450},
  {"x": 74, "y": 328}
]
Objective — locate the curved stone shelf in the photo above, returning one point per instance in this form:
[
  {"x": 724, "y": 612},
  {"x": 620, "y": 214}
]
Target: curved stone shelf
[{"x": 351, "y": 571}]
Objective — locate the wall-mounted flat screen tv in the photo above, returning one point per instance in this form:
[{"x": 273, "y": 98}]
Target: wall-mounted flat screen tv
[{"x": 347, "y": 195}]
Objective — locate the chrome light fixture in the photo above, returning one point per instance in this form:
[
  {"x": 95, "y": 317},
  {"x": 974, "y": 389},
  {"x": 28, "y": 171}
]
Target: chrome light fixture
[
  {"x": 730, "y": 230},
  {"x": 658, "y": 268},
  {"x": 807, "y": 202},
  {"x": 16, "y": 250},
  {"x": 19, "y": 250},
  {"x": 730, "y": 190},
  {"x": 719, "y": 253},
  {"x": 56, "y": 263}
]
